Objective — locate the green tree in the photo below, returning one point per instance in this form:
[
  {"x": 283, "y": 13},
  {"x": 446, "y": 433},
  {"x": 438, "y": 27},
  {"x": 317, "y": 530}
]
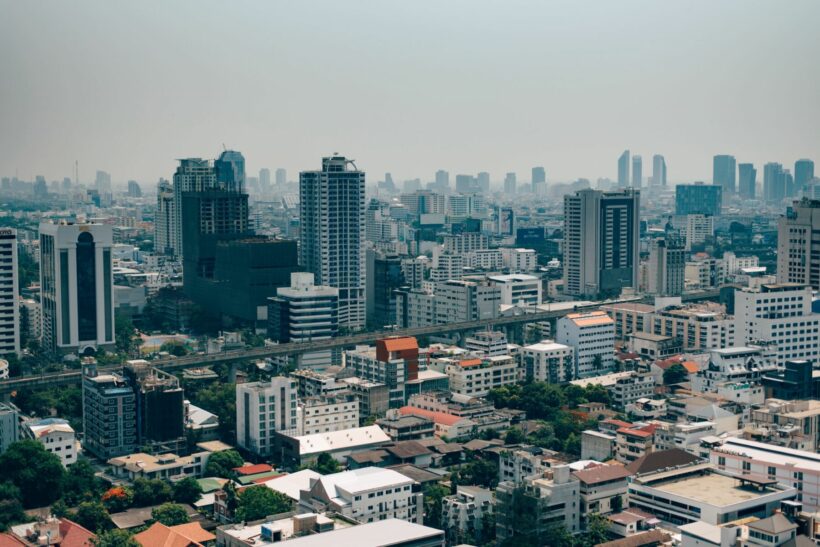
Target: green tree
[
  {"x": 11, "y": 508},
  {"x": 675, "y": 374},
  {"x": 573, "y": 445},
  {"x": 188, "y": 490},
  {"x": 93, "y": 516},
  {"x": 175, "y": 348},
  {"x": 541, "y": 400},
  {"x": 115, "y": 538},
  {"x": 514, "y": 436},
  {"x": 35, "y": 471},
  {"x": 80, "y": 483},
  {"x": 221, "y": 464},
  {"x": 220, "y": 399},
  {"x": 171, "y": 514},
  {"x": 117, "y": 498},
  {"x": 257, "y": 502},
  {"x": 326, "y": 464},
  {"x": 479, "y": 472},
  {"x": 575, "y": 395},
  {"x": 597, "y": 530},
  {"x": 151, "y": 492},
  {"x": 433, "y": 495}
]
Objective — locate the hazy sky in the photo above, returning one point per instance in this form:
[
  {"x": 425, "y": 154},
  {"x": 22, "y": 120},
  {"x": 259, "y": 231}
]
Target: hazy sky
[{"x": 408, "y": 86}]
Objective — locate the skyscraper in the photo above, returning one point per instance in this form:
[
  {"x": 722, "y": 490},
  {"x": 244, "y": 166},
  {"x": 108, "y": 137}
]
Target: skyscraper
[
  {"x": 774, "y": 182},
  {"x": 76, "y": 288},
  {"x": 803, "y": 173},
  {"x": 164, "y": 218},
  {"x": 698, "y": 198},
  {"x": 601, "y": 242},
  {"x": 264, "y": 179},
  {"x": 747, "y": 180},
  {"x": 724, "y": 172},
  {"x": 510, "y": 184},
  {"x": 332, "y": 233},
  {"x": 384, "y": 275},
  {"x": 442, "y": 180},
  {"x": 281, "y": 177},
  {"x": 667, "y": 262},
  {"x": 539, "y": 181},
  {"x": 637, "y": 171},
  {"x": 798, "y": 244},
  {"x": 483, "y": 179},
  {"x": 192, "y": 175},
  {"x": 102, "y": 182},
  {"x": 230, "y": 171},
  {"x": 9, "y": 285},
  {"x": 623, "y": 170},
  {"x": 134, "y": 190},
  {"x": 658, "y": 170}
]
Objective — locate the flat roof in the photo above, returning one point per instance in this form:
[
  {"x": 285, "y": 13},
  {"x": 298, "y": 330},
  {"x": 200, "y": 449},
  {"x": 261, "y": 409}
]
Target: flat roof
[
  {"x": 341, "y": 440},
  {"x": 712, "y": 489},
  {"x": 546, "y": 345},
  {"x": 382, "y": 533}
]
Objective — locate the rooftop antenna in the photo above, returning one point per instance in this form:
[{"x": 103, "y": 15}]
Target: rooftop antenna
[{"x": 223, "y": 147}]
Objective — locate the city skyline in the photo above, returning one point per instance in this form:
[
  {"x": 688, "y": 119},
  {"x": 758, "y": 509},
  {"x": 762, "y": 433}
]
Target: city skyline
[{"x": 571, "y": 109}]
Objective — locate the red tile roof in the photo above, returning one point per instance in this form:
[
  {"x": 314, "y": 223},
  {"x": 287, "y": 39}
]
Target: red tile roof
[
  {"x": 253, "y": 469},
  {"x": 619, "y": 423},
  {"x": 75, "y": 535},
  {"x": 438, "y": 417},
  {"x": 400, "y": 343},
  {"x": 469, "y": 363}
]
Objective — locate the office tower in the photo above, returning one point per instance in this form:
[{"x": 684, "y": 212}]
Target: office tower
[
  {"x": 466, "y": 184},
  {"x": 658, "y": 170},
  {"x": 384, "y": 276},
  {"x": 40, "y": 188},
  {"x": 230, "y": 170},
  {"x": 601, "y": 242},
  {"x": 774, "y": 182},
  {"x": 788, "y": 183},
  {"x": 798, "y": 244},
  {"x": 747, "y": 180},
  {"x": 164, "y": 219},
  {"x": 304, "y": 312},
  {"x": 192, "y": 175},
  {"x": 134, "y": 190},
  {"x": 9, "y": 288},
  {"x": 264, "y": 179},
  {"x": 412, "y": 272},
  {"x": 698, "y": 199},
  {"x": 442, "y": 180},
  {"x": 109, "y": 414},
  {"x": 483, "y": 180},
  {"x": 76, "y": 288},
  {"x": 9, "y": 425},
  {"x": 505, "y": 221},
  {"x": 623, "y": 170},
  {"x": 667, "y": 265},
  {"x": 424, "y": 202},
  {"x": 281, "y": 177},
  {"x": 159, "y": 405},
  {"x": 637, "y": 171},
  {"x": 698, "y": 229},
  {"x": 539, "y": 181},
  {"x": 411, "y": 185},
  {"x": 724, "y": 172},
  {"x": 332, "y": 233},
  {"x": 803, "y": 173},
  {"x": 102, "y": 182},
  {"x": 509, "y": 184},
  {"x": 262, "y": 409}
]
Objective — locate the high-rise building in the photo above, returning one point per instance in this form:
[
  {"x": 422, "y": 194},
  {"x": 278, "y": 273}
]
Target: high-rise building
[
  {"x": 774, "y": 182},
  {"x": 667, "y": 265},
  {"x": 623, "y": 170},
  {"x": 102, "y": 182},
  {"x": 601, "y": 241},
  {"x": 798, "y": 244},
  {"x": 262, "y": 410},
  {"x": 637, "y": 171},
  {"x": 9, "y": 425},
  {"x": 164, "y": 224},
  {"x": 109, "y": 414},
  {"x": 385, "y": 274},
  {"x": 332, "y": 233},
  {"x": 539, "y": 181},
  {"x": 281, "y": 177},
  {"x": 724, "y": 172},
  {"x": 803, "y": 173},
  {"x": 466, "y": 184},
  {"x": 134, "y": 190},
  {"x": 76, "y": 288},
  {"x": 658, "y": 170},
  {"x": 747, "y": 180},
  {"x": 264, "y": 179},
  {"x": 510, "y": 184},
  {"x": 592, "y": 334},
  {"x": 305, "y": 312},
  {"x": 698, "y": 199},
  {"x": 192, "y": 175},
  {"x": 483, "y": 180},
  {"x": 160, "y": 407},
  {"x": 230, "y": 171},
  {"x": 9, "y": 288},
  {"x": 442, "y": 181}
]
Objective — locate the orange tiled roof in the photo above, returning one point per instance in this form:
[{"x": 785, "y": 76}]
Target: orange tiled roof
[
  {"x": 75, "y": 535},
  {"x": 253, "y": 469},
  {"x": 183, "y": 535},
  {"x": 401, "y": 343},
  {"x": 438, "y": 417},
  {"x": 469, "y": 363}
]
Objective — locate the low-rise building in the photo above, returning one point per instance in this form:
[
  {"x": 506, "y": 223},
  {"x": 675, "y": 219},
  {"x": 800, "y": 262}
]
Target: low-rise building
[
  {"x": 300, "y": 450},
  {"x": 597, "y": 445},
  {"x": 548, "y": 361},
  {"x": 56, "y": 435},
  {"x": 476, "y": 377},
  {"x": 518, "y": 289},
  {"x": 793, "y": 424},
  {"x": 634, "y": 441},
  {"x": 164, "y": 466},
  {"x": 465, "y": 514},
  {"x": 624, "y": 388},
  {"x": 326, "y": 414},
  {"x": 406, "y": 427},
  {"x": 602, "y": 488}
]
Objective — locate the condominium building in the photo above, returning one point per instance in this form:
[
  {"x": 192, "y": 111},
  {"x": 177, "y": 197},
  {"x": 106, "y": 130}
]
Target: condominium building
[
  {"x": 667, "y": 261},
  {"x": 798, "y": 244},
  {"x": 305, "y": 312},
  {"x": 262, "y": 409},
  {"x": 325, "y": 414},
  {"x": 332, "y": 233},
  {"x": 624, "y": 387},
  {"x": 518, "y": 289},
  {"x": 164, "y": 223},
  {"x": 450, "y": 302},
  {"x": 9, "y": 309},
  {"x": 393, "y": 362},
  {"x": 548, "y": 361},
  {"x": 192, "y": 175},
  {"x": 465, "y": 513},
  {"x": 76, "y": 288},
  {"x": 109, "y": 414},
  {"x": 518, "y": 260},
  {"x": 475, "y": 377},
  {"x": 592, "y": 335},
  {"x": 601, "y": 242},
  {"x": 698, "y": 326}
]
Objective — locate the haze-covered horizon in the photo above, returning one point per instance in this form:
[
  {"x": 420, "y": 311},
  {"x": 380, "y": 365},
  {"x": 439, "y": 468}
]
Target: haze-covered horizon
[{"x": 409, "y": 88}]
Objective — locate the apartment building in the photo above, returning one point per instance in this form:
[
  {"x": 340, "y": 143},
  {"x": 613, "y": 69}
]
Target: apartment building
[
  {"x": 477, "y": 376},
  {"x": 548, "y": 361},
  {"x": 624, "y": 387},
  {"x": 592, "y": 334},
  {"x": 518, "y": 289},
  {"x": 262, "y": 409},
  {"x": 325, "y": 414}
]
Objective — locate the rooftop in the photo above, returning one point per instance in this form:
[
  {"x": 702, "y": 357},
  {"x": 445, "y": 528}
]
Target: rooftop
[
  {"x": 290, "y": 485},
  {"x": 374, "y": 534},
  {"x": 712, "y": 488},
  {"x": 339, "y": 440},
  {"x": 361, "y": 480}
]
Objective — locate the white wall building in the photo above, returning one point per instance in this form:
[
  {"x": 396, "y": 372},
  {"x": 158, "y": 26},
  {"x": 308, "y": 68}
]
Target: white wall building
[
  {"x": 518, "y": 260},
  {"x": 321, "y": 415},
  {"x": 548, "y": 361},
  {"x": 263, "y": 408},
  {"x": 592, "y": 334},
  {"x": 9, "y": 309},
  {"x": 518, "y": 289},
  {"x": 476, "y": 377},
  {"x": 56, "y": 436}
]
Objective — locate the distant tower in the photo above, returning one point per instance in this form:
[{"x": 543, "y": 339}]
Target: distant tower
[
  {"x": 623, "y": 170},
  {"x": 803, "y": 173},
  {"x": 510, "y": 184},
  {"x": 637, "y": 171},
  {"x": 264, "y": 179},
  {"x": 658, "y": 170},
  {"x": 539, "y": 181},
  {"x": 9, "y": 307},
  {"x": 774, "y": 182},
  {"x": 281, "y": 177},
  {"x": 332, "y": 233},
  {"x": 747, "y": 177},
  {"x": 192, "y": 175},
  {"x": 724, "y": 170}
]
